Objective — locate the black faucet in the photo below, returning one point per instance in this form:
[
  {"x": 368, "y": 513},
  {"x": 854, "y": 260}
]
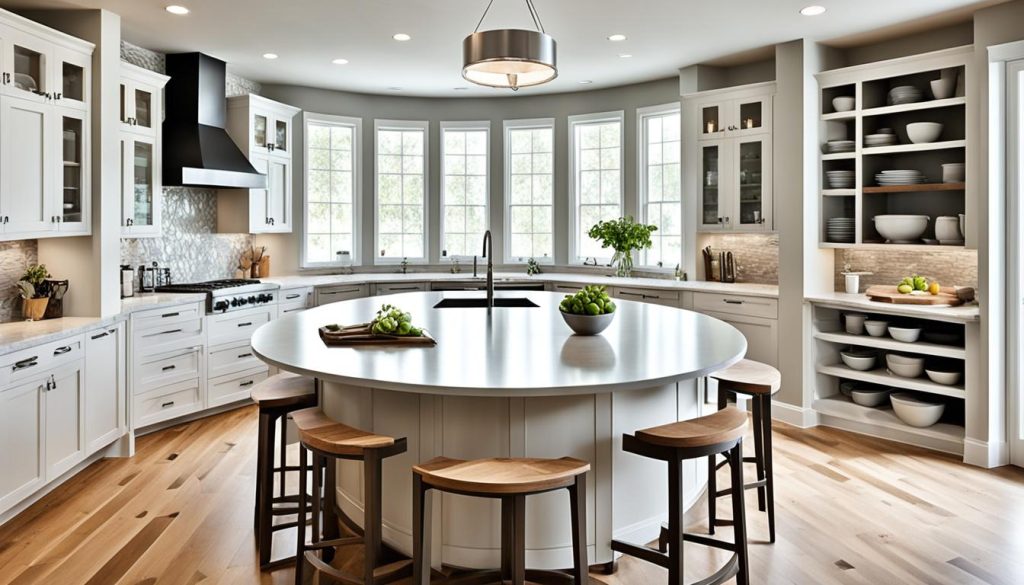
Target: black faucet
[{"x": 488, "y": 250}]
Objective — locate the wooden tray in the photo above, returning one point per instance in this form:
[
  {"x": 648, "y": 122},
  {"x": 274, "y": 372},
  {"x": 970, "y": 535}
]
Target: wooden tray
[
  {"x": 356, "y": 335},
  {"x": 950, "y": 297}
]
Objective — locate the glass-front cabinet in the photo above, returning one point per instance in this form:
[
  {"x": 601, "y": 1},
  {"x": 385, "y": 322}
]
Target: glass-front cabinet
[
  {"x": 26, "y": 66},
  {"x": 72, "y": 83},
  {"x": 752, "y": 171},
  {"x": 270, "y": 132},
  {"x": 141, "y": 120},
  {"x": 137, "y": 100},
  {"x": 727, "y": 118},
  {"x": 74, "y": 213},
  {"x": 712, "y": 216}
]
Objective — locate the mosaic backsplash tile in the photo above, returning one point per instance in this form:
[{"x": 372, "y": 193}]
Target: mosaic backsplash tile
[
  {"x": 14, "y": 258},
  {"x": 756, "y": 255},
  {"x": 949, "y": 267}
]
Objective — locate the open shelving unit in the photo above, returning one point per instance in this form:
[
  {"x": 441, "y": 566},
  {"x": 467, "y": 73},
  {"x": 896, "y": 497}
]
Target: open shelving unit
[{"x": 869, "y": 86}]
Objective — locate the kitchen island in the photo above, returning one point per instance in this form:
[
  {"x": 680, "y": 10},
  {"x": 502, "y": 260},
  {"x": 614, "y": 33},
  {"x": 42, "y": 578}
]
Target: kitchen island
[{"x": 512, "y": 383}]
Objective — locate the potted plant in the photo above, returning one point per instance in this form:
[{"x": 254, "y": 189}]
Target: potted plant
[
  {"x": 33, "y": 292},
  {"x": 624, "y": 236}
]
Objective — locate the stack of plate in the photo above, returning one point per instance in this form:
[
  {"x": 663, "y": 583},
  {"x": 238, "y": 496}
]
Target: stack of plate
[
  {"x": 839, "y": 179},
  {"x": 840, "y": 230},
  {"x": 834, "y": 146},
  {"x": 880, "y": 139},
  {"x": 904, "y": 94},
  {"x": 900, "y": 177}
]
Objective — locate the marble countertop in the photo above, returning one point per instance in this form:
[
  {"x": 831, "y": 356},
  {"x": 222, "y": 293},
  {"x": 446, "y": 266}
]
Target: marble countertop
[
  {"x": 144, "y": 301},
  {"x": 511, "y": 352},
  {"x": 962, "y": 314},
  {"x": 24, "y": 334}
]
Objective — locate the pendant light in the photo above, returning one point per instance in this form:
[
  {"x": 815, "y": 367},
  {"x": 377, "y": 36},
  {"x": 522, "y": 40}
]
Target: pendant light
[{"x": 509, "y": 58}]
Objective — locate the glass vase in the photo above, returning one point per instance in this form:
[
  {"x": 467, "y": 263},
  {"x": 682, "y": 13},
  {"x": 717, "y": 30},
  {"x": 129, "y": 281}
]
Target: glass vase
[{"x": 623, "y": 263}]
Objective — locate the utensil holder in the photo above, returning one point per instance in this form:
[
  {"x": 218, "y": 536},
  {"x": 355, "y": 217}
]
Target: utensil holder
[
  {"x": 34, "y": 309},
  {"x": 264, "y": 267}
]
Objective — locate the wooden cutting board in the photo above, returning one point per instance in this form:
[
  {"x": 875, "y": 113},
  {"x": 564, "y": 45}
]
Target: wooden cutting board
[
  {"x": 356, "y": 335},
  {"x": 950, "y": 297}
]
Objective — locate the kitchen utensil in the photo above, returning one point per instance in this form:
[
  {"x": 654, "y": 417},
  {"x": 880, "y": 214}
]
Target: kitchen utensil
[
  {"x": 923, "y": 132},
  {"x": 853, "y": 283},
  {"x": 861, "y": 361},
  {"x": 905, "y": 334},
  {"x": 727, "y": 267},
  {"x": 905, "y": 366},
  {"x": 147, "y": 278},
  {"x": 55, "y": 308},
  {"x": 876, "y": 328},
  {"x": 944, "y": 378},
  {"x": 127, "y": 281},
  {"x": 843, "y": 103},
  {"x": 916, "y": 411},
  {"x": 855, "y": 323},
  {"x": 264, "y": 266},
  {"x": 947, "y": 296},
  {"x": 901, "y": 229},
  {"x": 947, "y": 228},
  {"x": 870, "y": 397},
  {"x": 587, "y": 324}
]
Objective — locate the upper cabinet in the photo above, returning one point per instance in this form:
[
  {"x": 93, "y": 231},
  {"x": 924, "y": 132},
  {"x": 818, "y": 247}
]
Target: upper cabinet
[
  {"x": 141, "y": 122},
  {"x": 262, "y": 128},
  {"x": 45, "y": 85},
  {"x": 733, "y": 171}
]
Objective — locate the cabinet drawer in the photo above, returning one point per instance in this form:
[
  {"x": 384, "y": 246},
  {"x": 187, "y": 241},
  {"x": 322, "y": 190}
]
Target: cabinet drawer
[
  {"x": 160, "y": 318},
  {"x": 289, "y": 308},
  {"x": 234, "y": 387},
  {"x": 168, "y": 402},
  {"x": 231, "y": 358},
  {"x": 567, "y": 287},
  {"x": 395, "y": 287},
  {"x": 648, "y": 295},
  {"x": 237, "y": 326},
  {"x": 169, "y": 337},
  {"x": 762, "y": 336},
  {"x": 736, "y": 305},
  {"x": 19, "y": 365},
  {"x": 167, "y": 369},
  {"x": 294, "y": 295},
  {"x": 333, "y": 294}
]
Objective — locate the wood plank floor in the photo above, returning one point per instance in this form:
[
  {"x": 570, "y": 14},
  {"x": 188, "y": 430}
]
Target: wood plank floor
[{"x": 850, "y": 510}]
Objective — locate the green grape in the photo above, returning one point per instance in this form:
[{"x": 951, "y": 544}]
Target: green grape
[
  {"x": 609, "y": 307},
  {"x": 404, "y": 327}
]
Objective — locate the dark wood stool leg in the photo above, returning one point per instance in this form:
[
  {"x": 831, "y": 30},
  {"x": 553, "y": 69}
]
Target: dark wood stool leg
[
  {"x": 282, "y": 474},
  {"x": 261, "y": 453},
  {"x": 675, "y": 521},
  {"x": 371, "y": 513},
  {"x": 578, "y": 505},
  {"x": 507, "y": 537},
  {"x": 766, "y": 413},
  {"x": 300, "y": 545},
  {"x": 739, "y": 520},
  {"x": 420, "y": 546},
  {"x": 331, "y": 529},
  {"x": 713, "y": 472},
  {"x": 758, "y": 423},
  {"x": 519, "y": 541},
  {"x": 265, "y": 517}
]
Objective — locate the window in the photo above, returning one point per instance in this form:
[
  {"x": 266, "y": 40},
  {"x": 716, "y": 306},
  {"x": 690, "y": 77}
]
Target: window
[
  {"x": 332, "y": 188},
  {"x": 595, "y": 149},
  {"x": 529, "y": 188},
  {"x": 660, "y": 185},
  {"x": 465, "y": 193},
  {"x": 400, "y": 188}
]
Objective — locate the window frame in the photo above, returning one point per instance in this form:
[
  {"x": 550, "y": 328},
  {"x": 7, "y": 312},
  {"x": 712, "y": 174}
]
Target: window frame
[
  {"x": 574, "y": 216},
  {"x": 524, "y": 124},
  {"x": 401, "y": 125},
  {"x": 357, "y": 185},
  {"x": 642, "y": 115},
  {"x": 482, "y": 125}
]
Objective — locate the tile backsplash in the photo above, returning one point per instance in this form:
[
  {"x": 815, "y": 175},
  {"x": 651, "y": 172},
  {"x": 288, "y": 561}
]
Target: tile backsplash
[
  {"x": 756, "y": 255},
  {"x": 948, "y": 267},
  {"x": 14, "y": 258}
]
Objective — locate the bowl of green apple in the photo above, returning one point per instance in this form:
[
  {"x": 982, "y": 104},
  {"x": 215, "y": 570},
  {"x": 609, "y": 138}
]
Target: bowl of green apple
[{"x": 588, "y": 312}]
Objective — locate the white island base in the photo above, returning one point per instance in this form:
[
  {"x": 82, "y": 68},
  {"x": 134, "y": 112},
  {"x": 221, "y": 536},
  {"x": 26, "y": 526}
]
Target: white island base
[{"x": 626, "y": 494}]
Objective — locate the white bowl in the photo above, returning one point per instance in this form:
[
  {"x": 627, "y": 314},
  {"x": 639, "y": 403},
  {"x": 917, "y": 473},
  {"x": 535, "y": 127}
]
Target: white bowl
[
  {"x": 963, "y": 229},
  {"x": 869, "y": 396},
  {"x": 905, "y": 366},
  {"x": 901, "y": 228},
  {"x": 922, "y": 132},
  {"x": 905, "y": 334},
  {"x": 845, "y": 388},
  {"x": 858, "y": 361},
  {"x": 947, "y": 228},
  {"x": 855, "y": 323},
  {"x": 945, "y": 378},
  {"x": 943, "y": 88},
  {"x": 876, "y": 328},
  {"x": 953, "y": 173},
  {"x": 915, "y": 411},
  {"x": 843, "y": 103}
]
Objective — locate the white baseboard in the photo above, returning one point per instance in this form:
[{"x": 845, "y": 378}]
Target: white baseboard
[
  {"x": 797, "y": 416},
  {"x": 986, "y": 454}
]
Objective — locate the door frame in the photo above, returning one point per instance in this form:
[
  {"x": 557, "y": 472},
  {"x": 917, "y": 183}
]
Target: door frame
[{"x": 1014, "y": 186}]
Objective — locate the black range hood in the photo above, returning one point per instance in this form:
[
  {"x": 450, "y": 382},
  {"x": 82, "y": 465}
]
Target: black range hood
[{"x": 197, "y": 150}]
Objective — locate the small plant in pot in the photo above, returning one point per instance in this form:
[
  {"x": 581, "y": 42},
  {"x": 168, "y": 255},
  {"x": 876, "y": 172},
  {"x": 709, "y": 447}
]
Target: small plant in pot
[
  {"x": 624, "y": 236},
  {"x": 34, "y": 292}
]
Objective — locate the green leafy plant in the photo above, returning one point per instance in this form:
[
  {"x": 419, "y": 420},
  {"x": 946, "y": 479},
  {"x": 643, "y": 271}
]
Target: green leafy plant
[
  {"x": 532, "y": 267},
  {"x": 32, "y": 282},
  {"x": 623, "y": 235}
]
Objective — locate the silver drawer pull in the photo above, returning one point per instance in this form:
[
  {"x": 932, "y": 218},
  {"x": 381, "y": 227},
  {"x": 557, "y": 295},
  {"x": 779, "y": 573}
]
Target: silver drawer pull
[
  {"x": 100, "y": 335},
  {"x": 733, "y": 302},
  {"x": 247, "y": 383},
  {"x": 246, "y": 324},
  {"x": 62, "y": 350},
  {"x": 168, "y": 315},
  {"x": 651, "y": 297},
  {"x": 170, "y": 331},
  {"x": 25, "y": 363},
  {"x": 290, "y": 297},
  {"x": 403, "y": 288},
  {"x": 244, "y": 355},
  {"x": 166, "y": 404},
  {"x": 338, "y": 292},
  {"x": 168, "y": 368}
]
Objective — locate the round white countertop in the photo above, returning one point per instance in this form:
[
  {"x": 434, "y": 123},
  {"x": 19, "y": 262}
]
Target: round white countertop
[{"x": 511, "y": 352}]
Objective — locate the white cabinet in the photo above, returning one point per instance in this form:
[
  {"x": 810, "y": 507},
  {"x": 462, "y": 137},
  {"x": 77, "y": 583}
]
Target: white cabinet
[
  {"x": 291, "y": 300},
  {"x": 141, "y": 121},
  {"x": 735, "y": 113},
  {"x": 341, "y": 292},
  {"x": 64, "y": 413},
  {"x": 393, "y": 288},
  {"x": 755, "y": 317},
  {"x": 262, "y": 129},
  {"x": 26, "y": 163},
  {"x": 21, "y": 458},
  {"x": 105, "y": 386},
  {"x": 669, "y": 298}
]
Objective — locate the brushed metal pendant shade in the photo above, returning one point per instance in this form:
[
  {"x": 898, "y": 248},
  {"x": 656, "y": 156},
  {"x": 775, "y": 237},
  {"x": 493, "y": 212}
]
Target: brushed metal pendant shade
[{"x": 510, "y": 58}]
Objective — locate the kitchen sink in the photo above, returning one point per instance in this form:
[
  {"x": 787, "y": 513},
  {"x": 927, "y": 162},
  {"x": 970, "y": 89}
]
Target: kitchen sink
[{"x": 475, "y": 303}]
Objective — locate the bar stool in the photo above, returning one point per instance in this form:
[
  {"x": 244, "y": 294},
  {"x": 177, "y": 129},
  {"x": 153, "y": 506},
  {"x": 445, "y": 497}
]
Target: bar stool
[
  {"x": 760, "y": 382},
  {"x": 720, "y": 432},
  {"x": 509, "y": 480},
  {"x": 329, "y": 441},
  {"x": 277, "y": 396}
]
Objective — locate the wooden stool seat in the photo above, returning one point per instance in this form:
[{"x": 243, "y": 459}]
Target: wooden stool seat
[
  {"x": 749, "y": 377},
  {"x": 722, "y": 426},
  {"x": 320, "y": 432},
  {"x": 285, "y": 391},
  {"x": 501, "y": 476}
]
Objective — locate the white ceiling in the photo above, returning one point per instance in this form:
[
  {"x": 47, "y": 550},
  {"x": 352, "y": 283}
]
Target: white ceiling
[{"x": 663, "y": 35}]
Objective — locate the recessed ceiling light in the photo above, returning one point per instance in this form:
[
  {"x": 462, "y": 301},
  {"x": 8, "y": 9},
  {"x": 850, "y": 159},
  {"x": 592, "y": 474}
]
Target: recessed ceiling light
[
  {"x": 625, "y": 56},
  {"x": 585, "y": 82},
  {"x": 402, "y": 37},
  {"x": 175, "y": 9},
  {"x": 340, "y": 61},
  {"x": 270, "y": 55},
  {"x": 813, "y": 10},
  {"x": 616, "y": 38}
]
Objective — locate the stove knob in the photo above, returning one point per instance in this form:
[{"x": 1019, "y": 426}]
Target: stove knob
[
  {"x": 242, "y": 301},
  {"x": 252, "y": 300},
  {"x": 266, "y": 298},
  {"x": 234, "y": 302},
  {"x": 220, "y": 306}
]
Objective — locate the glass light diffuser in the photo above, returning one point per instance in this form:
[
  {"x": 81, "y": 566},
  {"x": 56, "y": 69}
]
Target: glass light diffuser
[{"x": 509, "y": 58}]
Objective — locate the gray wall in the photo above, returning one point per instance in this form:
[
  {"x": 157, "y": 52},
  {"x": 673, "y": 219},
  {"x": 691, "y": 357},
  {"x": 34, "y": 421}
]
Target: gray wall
[{"x": 284, "y": 248}]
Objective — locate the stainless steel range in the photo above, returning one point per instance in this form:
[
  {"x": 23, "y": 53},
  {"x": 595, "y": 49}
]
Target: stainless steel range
[{"x": 229, "y": 294}]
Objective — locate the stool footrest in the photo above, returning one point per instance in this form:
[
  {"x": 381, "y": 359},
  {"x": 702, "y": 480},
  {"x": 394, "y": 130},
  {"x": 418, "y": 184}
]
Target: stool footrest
[
  {"x": 344, "y": 541},
  {"x": 726, "y": 572},
  {"x": 381, "y": 575},
  {"x": 746, "y": 486},
  {"x": 641, "y": 552}
]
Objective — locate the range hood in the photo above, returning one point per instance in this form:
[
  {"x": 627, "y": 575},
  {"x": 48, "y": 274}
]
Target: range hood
[{"x": 197, "y": 150}]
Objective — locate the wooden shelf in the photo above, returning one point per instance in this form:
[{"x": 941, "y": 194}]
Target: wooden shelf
[
  {"x": 916, "y": 106},
  {"x": 839, "y": 192},
  {"x": 898, "y": 148},
  {"x": 907, "y": 247},
  {"x": 916, "y": 188},
  {"x": 882, "y": 377},
  {"x": 920, "y": 347},
  {"x": 841, "y": 407}
]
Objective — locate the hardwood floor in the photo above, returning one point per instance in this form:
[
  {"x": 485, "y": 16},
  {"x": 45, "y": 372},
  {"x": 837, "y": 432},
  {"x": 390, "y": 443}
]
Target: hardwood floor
[{"x": 851, "y": 509}]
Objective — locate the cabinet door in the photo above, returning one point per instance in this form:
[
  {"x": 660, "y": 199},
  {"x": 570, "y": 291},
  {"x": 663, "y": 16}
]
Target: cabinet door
[
  {"x": 714, "y": 184},
  {"x": 21, "y": 441},
  {"x": 26, "y": 61},
  {"x": 105, "y": 398},
  {"x": 752, "y": 175},
  {"x": 25, "y": 157},
  {"x": 751, "y": 116},
  {"x": 278, "y": 195},
  {"x": 73, "y": 180},
  {"x": 713, "y": 120},
  {"x": 261, "y": 128},
  {"x": 762, "y": 336},
  {"x": 64, "y": 413},
  {"x": 71, "y": 82},
  {"x": 259, "y": 199},
  {"x": 139, "y": 181}
]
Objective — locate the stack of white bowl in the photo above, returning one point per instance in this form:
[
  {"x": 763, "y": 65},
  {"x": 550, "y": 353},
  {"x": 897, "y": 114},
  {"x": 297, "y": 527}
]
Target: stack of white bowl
[
  {"x": 904, "y": 94},
  {"x": 840, "y": 179},
  {"x": 840, "y": 230},
  {"x": 884, "y": 137},
  {"x": 924, "y": 132},
  {"x": 834, "y": 146},
  {"x": 899, "y": 177},
  {"x": 953, "y": 173},
  {"x": 916, "y": 409},
  {"x": 947, "y": 231}
]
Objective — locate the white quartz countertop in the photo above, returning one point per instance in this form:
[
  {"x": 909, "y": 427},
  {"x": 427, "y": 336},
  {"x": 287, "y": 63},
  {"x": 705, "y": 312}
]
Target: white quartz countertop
[
  {"x": 144, "y": 301},
  {"x": 962, "y": 314},
  {"x": 24, "y": 334},
  {"x": 512, "y": 352}
]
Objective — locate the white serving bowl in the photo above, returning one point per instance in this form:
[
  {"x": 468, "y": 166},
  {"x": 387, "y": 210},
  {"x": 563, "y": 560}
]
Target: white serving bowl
[
  {"x": 845, "y": 388},
  {"x": 914, "y": 411},
  {"x": 855, "y": 323},
  {"x": 859, "y": 361},
  {"x": 943, "y": 88},
  {"x": 869, "y": 396},
  {"x": 947, "y": 228},
  {"x": 922, "y": 132},
  {"x": 843, "y": 103},
  {"x": 876, "y": 328},
  {"x": 944, "y": 378},
  {"x": 905, "y": 334},
  {"x": 901, "y": 228},
  {"x": 905, "y": 366}
]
